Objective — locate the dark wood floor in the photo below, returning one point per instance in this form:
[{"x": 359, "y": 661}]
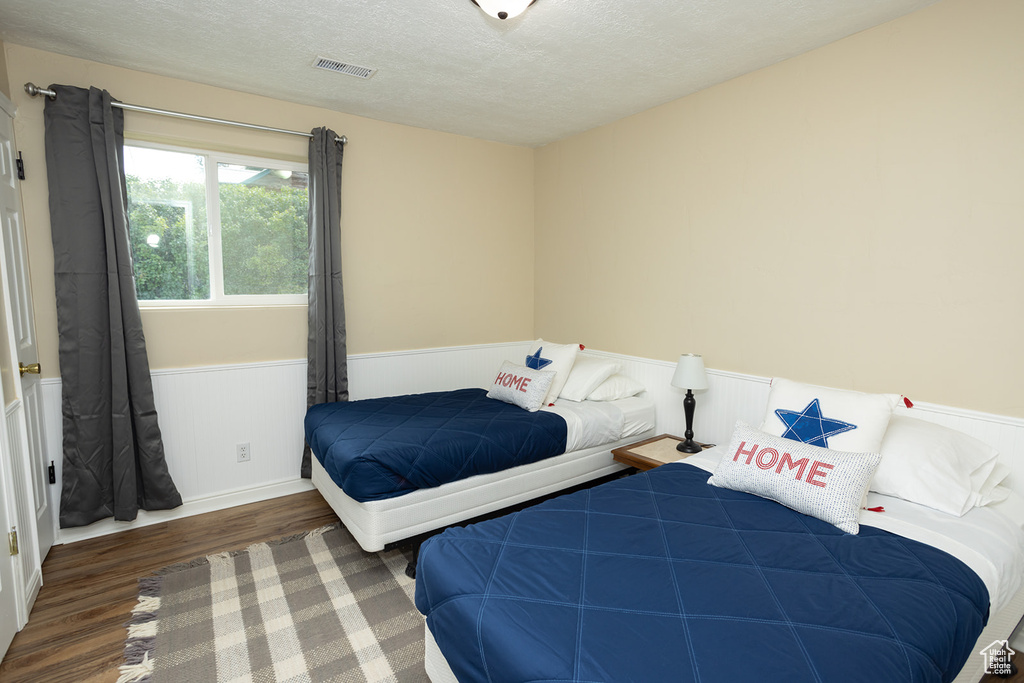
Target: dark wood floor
[{"x": 76, "y": 630}]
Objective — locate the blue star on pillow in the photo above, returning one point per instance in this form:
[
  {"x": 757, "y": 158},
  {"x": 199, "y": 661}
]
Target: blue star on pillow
[
  {"x": 536, "y": 362},
  {"x": 809, "y": 426}
]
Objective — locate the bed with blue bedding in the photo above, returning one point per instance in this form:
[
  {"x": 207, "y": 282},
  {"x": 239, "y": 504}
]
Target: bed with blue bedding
[
  {"x": 395, "y": 468},
  {"x": 662, "y": 577},
  {"x": 385, "y": 447}
]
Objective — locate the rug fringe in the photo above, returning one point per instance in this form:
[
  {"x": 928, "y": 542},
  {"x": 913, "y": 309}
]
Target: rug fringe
[
  {"x": 222, "y": 557},
  {"x": 147, "y": 603},
  {"x": 138, "y": 665},
  {"x": 142, "y": 631},
  {"x": 295, "y": 537},
  {"x": 140, "y": 650},
  {"x": 137, "y": 673},
  {"x": 149, "y": 586},
  {"x": 200, "y": 561},
  {"x": 227, "y": 555},
  {"x": 182, "y": 566}
]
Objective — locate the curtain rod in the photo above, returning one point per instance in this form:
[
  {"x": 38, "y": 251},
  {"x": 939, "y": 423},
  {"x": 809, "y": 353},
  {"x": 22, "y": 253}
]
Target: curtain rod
[{"x": 33, "y": 90}]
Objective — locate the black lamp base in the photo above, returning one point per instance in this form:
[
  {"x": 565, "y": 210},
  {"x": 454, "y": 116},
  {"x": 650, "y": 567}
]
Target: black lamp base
[{"x": 688, "y": 446}]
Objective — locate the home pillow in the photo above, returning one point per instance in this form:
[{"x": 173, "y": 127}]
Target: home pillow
[
  {"x": 829, "y": 418},
  {"x": 556, "y": 358},
  {"x": 616, "y": 387},
  {"x": 819, "y": 482},
  {"x": 587, "y": 374},
  {"x": 937, "y": 467},
  {"x": 521, "y": 386}
]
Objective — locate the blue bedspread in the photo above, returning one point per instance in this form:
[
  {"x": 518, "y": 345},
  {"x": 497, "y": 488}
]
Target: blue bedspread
[
  {"x": 385, "y": 447},
  {"x": 661, "y": 577}
]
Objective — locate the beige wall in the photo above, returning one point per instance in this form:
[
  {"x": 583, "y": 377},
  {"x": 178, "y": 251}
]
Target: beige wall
[
  {"x": 5, "y": 85},
  {"x": 433, "y": 256},
  {"x": 851, "y": 217}
]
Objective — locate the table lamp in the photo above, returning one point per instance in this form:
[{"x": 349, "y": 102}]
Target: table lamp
[{"x": 690, "y": 375}]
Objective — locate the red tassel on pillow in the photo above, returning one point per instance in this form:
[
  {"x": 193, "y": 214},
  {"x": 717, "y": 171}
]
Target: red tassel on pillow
[
  {"x": 877, "y": 509},
  {"x": 582, "y": 347},
  {"x": 907, "y": 402}
]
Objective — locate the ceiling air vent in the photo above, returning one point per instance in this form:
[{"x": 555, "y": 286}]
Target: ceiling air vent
[{"x": 343, "y": 68}]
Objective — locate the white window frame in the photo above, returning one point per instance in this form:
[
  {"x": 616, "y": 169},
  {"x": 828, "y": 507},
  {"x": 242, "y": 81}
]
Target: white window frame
[{"x": 217, "y": 296}]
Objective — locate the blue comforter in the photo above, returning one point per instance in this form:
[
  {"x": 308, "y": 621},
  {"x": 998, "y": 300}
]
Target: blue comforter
[
  {"x": 386, "y": 447},
  {"x": 661, "y": 577}
]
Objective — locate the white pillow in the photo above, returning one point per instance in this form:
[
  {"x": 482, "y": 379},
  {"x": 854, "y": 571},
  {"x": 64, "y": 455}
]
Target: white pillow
[
  {"x": 521, "y": 386},
  {"x": 819, "y": 482},
  {"x": 997, "y": 494},
  {"x": 587, "y": 374},
  {"x": 937, "y": 467},
  {"x": 616, "y": 387},
  {"x": 849, "y": 421},
  {"x": 557, "y": 358}
]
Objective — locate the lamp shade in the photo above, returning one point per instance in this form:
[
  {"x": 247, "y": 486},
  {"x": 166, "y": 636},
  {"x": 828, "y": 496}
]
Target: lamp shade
[
  {"x": 690, "y": 373},
  {"x": 508, "y": 8}
]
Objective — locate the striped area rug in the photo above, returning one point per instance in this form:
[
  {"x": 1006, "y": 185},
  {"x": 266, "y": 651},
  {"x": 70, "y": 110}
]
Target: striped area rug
[{"x": 310, "y": 608}]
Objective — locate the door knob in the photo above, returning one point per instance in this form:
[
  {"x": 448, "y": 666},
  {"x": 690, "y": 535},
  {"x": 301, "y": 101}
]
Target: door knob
[{"x": 31, "y": 368}]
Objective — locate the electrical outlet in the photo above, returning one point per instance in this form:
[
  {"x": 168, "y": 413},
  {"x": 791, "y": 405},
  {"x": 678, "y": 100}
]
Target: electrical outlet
[{"x": 243, "y": 451}]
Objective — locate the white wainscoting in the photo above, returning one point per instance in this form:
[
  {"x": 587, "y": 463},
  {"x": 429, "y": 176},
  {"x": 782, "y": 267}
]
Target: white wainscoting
[
  {"x": 411, "y": 372},
  {"x": 204, "y": 412},
  {"x": 729, "y": 397}
]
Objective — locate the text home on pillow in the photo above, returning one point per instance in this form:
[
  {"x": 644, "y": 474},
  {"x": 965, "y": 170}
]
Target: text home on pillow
[{"x": 769, "y": 458}]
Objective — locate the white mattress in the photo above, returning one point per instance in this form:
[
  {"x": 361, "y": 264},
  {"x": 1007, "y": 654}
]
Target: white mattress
[
  {"x": 611, "y": 424},
  {"x": 593, "y": 423}
]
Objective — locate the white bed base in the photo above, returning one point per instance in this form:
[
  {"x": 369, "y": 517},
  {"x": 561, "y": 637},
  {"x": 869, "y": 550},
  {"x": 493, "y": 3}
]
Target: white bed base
[
  {"x": 436, "y": 665},
  {"x": 376, "y": 523},
  {"x": 999, "y": 627}
]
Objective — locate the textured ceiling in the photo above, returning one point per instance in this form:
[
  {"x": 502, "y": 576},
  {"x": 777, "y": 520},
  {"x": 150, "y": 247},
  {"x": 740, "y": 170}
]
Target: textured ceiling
[{"x": 561, "y": 68}]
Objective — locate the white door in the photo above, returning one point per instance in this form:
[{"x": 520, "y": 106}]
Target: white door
[
  {"x": 8, "y": 587},
  {"x": 10, "y": 578},
  {"x": 20, "y": 567},
  {"x": 24, "y": 341}
]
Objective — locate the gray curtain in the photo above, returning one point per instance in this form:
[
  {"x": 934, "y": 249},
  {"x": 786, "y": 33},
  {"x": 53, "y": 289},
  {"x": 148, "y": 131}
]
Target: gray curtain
[
  {"x": 113, "y": 453},
  {"x": 327, "y": 370}
]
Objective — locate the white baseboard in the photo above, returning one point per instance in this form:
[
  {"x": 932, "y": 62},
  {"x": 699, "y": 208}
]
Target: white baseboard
[
  {"x": 206, "y": 411},
  {"x": 188, "y": 509}
]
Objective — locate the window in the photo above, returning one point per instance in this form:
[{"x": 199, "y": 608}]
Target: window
[{"x": 212, "y": 228}]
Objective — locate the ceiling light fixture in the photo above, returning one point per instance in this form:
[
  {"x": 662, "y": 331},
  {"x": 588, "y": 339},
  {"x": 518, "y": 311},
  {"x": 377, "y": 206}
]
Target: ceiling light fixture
[{"x": 503, "y": 9}]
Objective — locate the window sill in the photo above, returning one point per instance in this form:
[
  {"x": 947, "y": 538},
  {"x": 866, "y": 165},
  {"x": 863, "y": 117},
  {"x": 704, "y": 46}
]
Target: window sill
[{"x": 211, "y": 305}]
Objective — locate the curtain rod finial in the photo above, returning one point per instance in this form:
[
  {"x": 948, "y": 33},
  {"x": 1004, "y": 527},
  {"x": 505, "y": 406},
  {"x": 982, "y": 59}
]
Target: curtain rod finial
[{"x": 34, "y": 90}]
